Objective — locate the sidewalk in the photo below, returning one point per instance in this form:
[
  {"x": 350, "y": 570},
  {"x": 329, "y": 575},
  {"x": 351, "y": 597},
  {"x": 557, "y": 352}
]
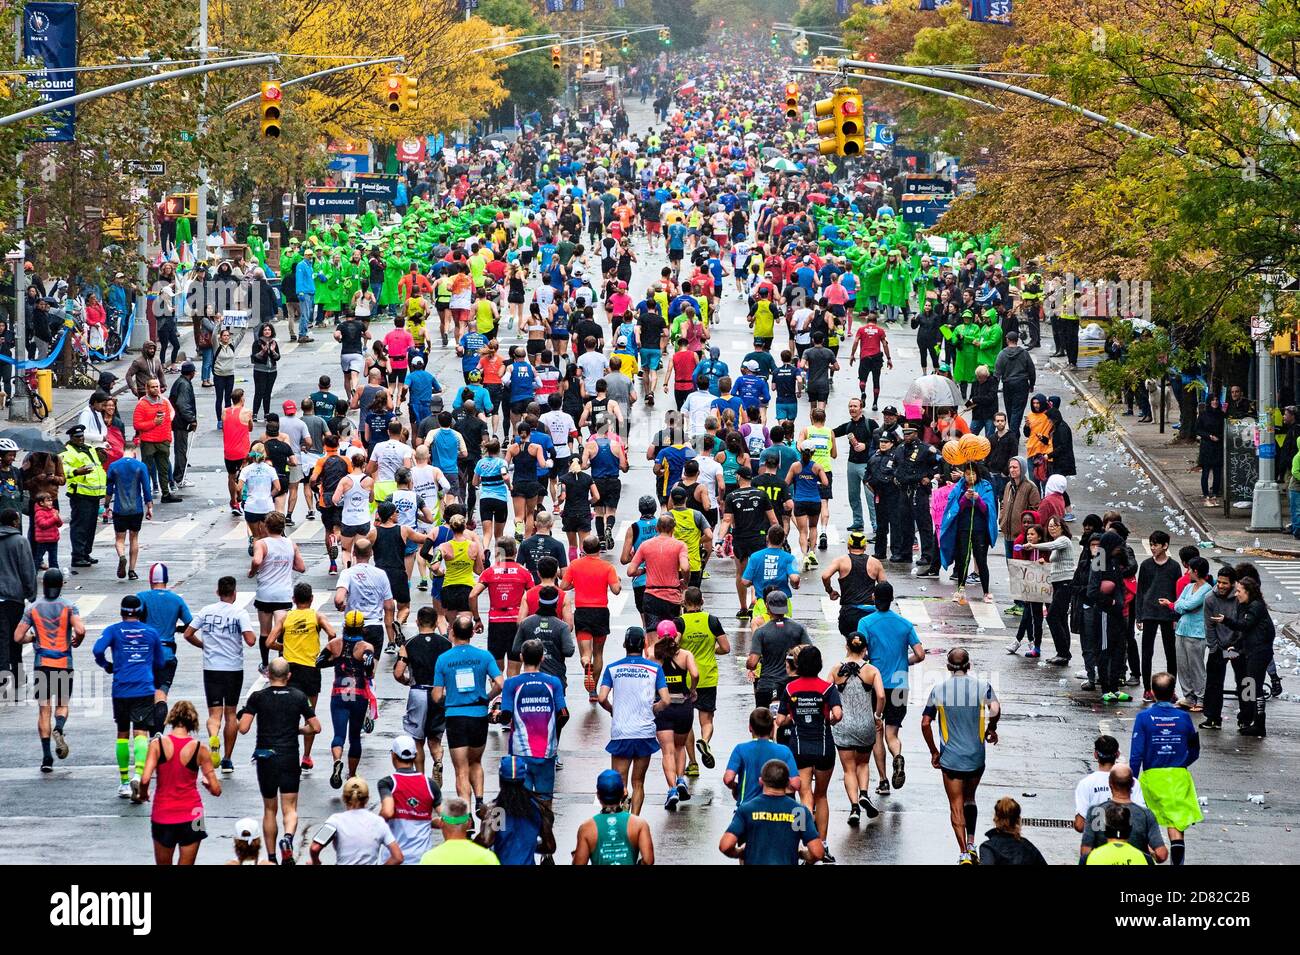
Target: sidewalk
[{"x": 1172, "y": 466}]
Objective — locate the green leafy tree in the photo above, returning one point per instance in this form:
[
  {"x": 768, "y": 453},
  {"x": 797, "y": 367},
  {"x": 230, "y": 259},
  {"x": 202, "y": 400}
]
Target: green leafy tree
[{"x": 531, "y": 80}]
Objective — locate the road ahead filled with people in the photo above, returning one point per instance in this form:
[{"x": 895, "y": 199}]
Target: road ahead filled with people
[{"x": 627, "y": 501}]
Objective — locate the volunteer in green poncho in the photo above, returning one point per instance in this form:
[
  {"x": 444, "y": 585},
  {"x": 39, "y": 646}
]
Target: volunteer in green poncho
[
  {"x": 895, "y": 286},
  {"x": 966, "y": 337},
  {"x": 329, "y": 284},
  {"x": 988, "y": 343},
  {"x": 395, "y": 266}
]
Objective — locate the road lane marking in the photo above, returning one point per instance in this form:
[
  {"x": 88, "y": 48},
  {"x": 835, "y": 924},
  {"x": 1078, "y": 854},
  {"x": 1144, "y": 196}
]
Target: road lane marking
[
  {"x": 913, "y": 609},
  {"x": 986, "y": 615}
]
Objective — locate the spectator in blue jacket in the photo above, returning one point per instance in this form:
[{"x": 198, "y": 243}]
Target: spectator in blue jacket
[{"x": 304, "y": 277}]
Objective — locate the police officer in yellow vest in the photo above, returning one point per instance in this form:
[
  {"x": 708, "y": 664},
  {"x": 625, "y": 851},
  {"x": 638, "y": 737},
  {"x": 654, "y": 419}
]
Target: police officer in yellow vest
[{"x": 86, "y": 480}]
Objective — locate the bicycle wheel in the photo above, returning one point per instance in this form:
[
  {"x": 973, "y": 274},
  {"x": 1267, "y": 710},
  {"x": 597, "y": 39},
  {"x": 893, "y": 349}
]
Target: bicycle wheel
[
  {"x": 40, "y": 410},
  {"x": 113, "y": 343}
]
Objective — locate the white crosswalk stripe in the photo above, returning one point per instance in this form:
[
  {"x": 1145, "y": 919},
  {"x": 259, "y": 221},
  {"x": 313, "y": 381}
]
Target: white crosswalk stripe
[
  {"x": 308, "y": 530},
  {"x": 986, "y": 615},
  {"x": 913, "y": 609},
  {"x": 1286, "y": 572},
  {"x": 179, "y": 530}
]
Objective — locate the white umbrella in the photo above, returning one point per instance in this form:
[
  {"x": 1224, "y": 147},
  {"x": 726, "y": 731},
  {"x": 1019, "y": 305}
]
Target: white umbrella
[{"x": 933, "y": 391}]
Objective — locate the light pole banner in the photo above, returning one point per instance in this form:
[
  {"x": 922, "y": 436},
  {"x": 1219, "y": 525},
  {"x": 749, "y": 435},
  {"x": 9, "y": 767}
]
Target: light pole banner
[
  {"x": 991, "y": 11},
  {"x": 50, "y": 43}
]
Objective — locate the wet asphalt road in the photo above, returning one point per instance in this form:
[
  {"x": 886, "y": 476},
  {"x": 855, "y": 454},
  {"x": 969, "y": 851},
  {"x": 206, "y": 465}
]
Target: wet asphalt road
[{"x": 1046, "y": 733}]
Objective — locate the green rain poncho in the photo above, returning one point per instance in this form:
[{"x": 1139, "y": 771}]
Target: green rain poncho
[
  {"x": 988, "y": 343},
  {"x": 395, "y": 266},
  {"x": 895, "y": 283},
  {"x": 966, "y": 337},
  {"x": 329, "y": 287}
]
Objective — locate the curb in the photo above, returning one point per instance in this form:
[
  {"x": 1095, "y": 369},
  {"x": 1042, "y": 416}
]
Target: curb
[{"x": 1154, "y": 471}]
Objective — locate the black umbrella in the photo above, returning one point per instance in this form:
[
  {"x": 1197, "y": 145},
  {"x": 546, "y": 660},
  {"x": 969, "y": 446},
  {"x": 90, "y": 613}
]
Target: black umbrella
[{"x": 32, "y": 439}]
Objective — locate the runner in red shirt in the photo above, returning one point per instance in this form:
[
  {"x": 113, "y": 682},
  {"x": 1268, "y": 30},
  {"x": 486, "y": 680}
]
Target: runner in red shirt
[
  {"x": 591, "y": 580},
  {"x": 506, "y": 582},
  {"x": 667, "y": 567},
  {"x": 869, "y": 342}
]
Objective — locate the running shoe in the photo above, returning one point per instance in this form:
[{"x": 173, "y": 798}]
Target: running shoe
[
  {"x": 391, "y": 649},
  {"x": 311, "y": 515},
  {"x": 288, "y": 521},
  {"x": 706, "y": 754},
  {"x": 262, "y": 669},
  {"x": 368, "y": 724},
  {"x": 227, "y": 768},
  {"x": 855, "y": 816},
  {"x": 704, "y": 575},
  {"x": 334, "y": 568},
  {"x": 1122, "y": 697},
  {"x": 423, "y": 584},
  {"x": 47, "y": 764},
  {"x": 214, "y": 744},
  {"x": 900, "y": 773},
  {"x": 866, "y": 806},
  {"x": 132, "y": 575},
  {"x": 336, "y": 777},
  {"x": 1088, "y": 686},
  {"x": 592, "y": 697},
  {"x": 744, "y": 614},
  {"x": 332, "y": 548},
  {"x": 683, "y": 791},
  {"x": 286, "y": 851},
  {"x": 1014, "y": 648},
  {"x": 307, "y": 764},
  {"x": 1033, "y": 653},
  {"x": 828, "y": 859},
  {"x": 121, "y": 566},
  {"x": 821, "y": 542},
  {"x": 967, "y": 859},
  {"x": 1148, "y": 696},
  {"x": 671, "y": 802},
  {"x": 250, "y": 545},
  {"x": 692, "y": 769},
  {"x": 588, "y": 678},
  {"x": 437, "y": 773},
  {"x": 124, "y": 791},
  {"x": 882, "y": 788},
  {"x": 60, "y": 743},
  {"x": 1109, "y": 697},
  {"x": 137, "y": 791}
]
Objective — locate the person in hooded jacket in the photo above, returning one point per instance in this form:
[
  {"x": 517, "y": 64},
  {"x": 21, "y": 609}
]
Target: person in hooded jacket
[
  {"x": 1037, "y": 430},
  {"x": 1061, "y": 458},
  {"x": 927, "y": 324},
  {"x": 1004, "y": 845},
  {"x": 1106, "y": 597},
  {"x": 1019, "y": 494},
  {"x": 1080, "y": 618},
  {"x": 1209, "y": 456}
]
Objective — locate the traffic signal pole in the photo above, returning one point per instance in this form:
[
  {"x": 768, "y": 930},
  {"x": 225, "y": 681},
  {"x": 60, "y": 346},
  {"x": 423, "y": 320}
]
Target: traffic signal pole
[{"x": 297, "y": 80}]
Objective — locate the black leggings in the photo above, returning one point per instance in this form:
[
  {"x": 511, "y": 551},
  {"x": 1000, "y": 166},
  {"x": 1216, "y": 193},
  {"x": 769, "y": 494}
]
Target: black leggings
[
  {"x": 167, "y": 336},
  {"x": 263, "y": 385},
  {"x": 1031, "y": 623},
  {"x": 871, "y": 371},
  {"x": 223, "y": 388},
  {"x": 1166, "y": 628},
  {"x": 980, "y": 551},
  {"x": 932, "y": 351},
  {"x": 1058, "y": 617},
  {"x": 348, "y": 717}
]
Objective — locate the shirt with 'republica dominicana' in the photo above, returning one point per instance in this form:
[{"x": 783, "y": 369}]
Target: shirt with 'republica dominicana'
[{"x": 634, "y": 683}]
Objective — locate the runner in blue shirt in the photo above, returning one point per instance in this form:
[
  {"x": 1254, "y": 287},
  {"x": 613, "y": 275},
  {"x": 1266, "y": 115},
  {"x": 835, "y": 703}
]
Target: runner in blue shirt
[
  {"x": 465, "y": 678},
  {"x": 786, "y": 381},
  {"x": 773, "y": 828},
  {"x": 752, "y": 390},
  {"x": 471, "y": 343},
  {"x": 132, "y": 652},
  {"x": 745, "y": 767},
  {"x": 892, "y": 647},
  {"x": 522, "y": 382},
  {"x": 163, "y": 610},
  {"x": 771, "y": 567}
]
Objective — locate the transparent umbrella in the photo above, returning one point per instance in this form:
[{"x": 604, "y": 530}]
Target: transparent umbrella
[{"x": 933, "y": 391}]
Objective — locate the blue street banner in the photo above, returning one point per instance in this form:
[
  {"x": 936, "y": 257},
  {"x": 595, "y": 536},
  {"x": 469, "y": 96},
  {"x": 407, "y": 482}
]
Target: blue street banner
[
  {"x": 334, "y": 202},
  {"x": 554, "y": 6},
  {"x": 579, "y": 6},
  {"x": 376, "y": 187},
  {"x": 350, "y": 162},
  {"x": 991, "y": 11},
  {"x": 620, "y": 4},
  {"x": 842, "y": 7},
  {"x": 50, "y": 43},
  {"x": 467, "y": 5},
  {"x": 882, "y": 135},
  {"x": 934, "y": 4}
]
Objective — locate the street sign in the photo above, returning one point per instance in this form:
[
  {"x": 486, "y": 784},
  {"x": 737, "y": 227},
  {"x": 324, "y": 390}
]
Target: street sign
[{"x": 146, "y": 167}]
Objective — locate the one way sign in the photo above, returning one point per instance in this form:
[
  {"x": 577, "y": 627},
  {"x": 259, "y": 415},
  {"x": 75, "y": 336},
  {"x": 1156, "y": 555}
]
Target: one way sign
[{"x": 145, "y": 167}]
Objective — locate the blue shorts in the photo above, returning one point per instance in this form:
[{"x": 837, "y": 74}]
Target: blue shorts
[
  {"x": 539, "y": 774},
  {"x": 632, "y": 748},
  {"x": 787, "y": 411},
  {"x": 651, "y": 358}
]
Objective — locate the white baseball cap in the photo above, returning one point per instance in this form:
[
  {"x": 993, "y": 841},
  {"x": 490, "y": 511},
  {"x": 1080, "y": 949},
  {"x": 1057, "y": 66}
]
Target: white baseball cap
[
  {"x": 247, "y": 829},
  {"x": 404, "y": 747}
]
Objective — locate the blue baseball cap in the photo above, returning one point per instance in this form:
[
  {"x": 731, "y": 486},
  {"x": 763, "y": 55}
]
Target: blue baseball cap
[{"x": 609, "y": 786}]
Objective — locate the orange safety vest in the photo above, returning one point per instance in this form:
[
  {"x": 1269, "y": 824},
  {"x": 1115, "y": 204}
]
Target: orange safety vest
[{"x": 53, "y": 644}]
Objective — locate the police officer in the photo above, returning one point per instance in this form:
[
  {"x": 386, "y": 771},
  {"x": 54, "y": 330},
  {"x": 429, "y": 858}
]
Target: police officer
[
  {"x": 917, "y": 466},
  {"x": 882, "y": 469},
  {"x": 86, "y": 481}
]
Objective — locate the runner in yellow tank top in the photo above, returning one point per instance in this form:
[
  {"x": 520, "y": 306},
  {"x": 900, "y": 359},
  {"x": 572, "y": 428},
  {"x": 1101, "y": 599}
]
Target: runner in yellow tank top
[
  {"x": 701, "y": 633},
  {"x": 298, "y": 638}
]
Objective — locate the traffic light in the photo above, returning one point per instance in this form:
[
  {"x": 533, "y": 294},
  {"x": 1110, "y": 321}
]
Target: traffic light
[
  {"x": 595, "y": 59},
  {"x": 792, "y": 100},
  {"x": 586, "y": 57},
  {"x": 625, "y": 46},
  {"x": 666, "y": 37},
  {"x": 557, "y": 57},
  {"x": 411, "y": 92},
  {"x": 840, "y": 123},
  {"x": 272, "y": 107},
  {"x": 393, "y": 93},
  {"x": 852, "y": 128},
  {"x": 776, "y": 39}
]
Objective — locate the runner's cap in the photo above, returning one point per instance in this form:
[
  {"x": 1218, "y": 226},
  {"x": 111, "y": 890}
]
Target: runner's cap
[
  {"x": 158, "y": 573},
  {"x": 404, "y": 747},
  {"x": 609, "y": 786},
  {"x": 246, "y": 830}
]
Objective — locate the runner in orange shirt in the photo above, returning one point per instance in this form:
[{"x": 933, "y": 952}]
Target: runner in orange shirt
[{"x": 592, "y": 580}]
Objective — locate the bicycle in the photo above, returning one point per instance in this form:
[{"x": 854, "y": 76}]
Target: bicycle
[{"x": 27, "y": 389}]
